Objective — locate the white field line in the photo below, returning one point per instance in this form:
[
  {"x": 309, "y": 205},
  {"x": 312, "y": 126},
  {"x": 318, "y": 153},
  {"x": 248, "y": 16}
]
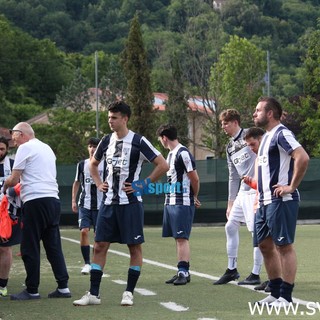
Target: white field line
[
  {"x": 174, "y": 307},
  {"x": 195, "y": 273}
]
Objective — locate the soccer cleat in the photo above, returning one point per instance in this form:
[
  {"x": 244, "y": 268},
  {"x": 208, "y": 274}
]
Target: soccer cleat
[
  {"x": 86, "y": 269},
  {"x": 24, "y": 295},
  {"x": 57, "y": 294},
  {"x": 280, "y": 303},
  {"x": 252, "y": 279},
  {"x": 127, "y": 299},
  {"x": 267, "y": 289},
  {"x": 181, "y": 279},
  {"x": 228, "y": 276},
  {"x": 268, "y": 300},
  {"x": 3, "y": 292},
  {"x": 87, "y": 299},
  {"x": 175, "y": 277},
  {"x": 262, "y": 286}
]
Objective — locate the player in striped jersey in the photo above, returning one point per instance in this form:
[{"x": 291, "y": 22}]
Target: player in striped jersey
[
  {"x": 282, "y": 163},
  {"x": 120, "y": 218},
  {"x": 6, "y": 165},
  {"x": 181, "y": 199},
  {"x": 90, "y": 199},
  {"x": 241, "y": 162}
]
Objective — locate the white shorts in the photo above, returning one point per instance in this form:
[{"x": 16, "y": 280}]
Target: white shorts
[{"x": 243, "y": 209}]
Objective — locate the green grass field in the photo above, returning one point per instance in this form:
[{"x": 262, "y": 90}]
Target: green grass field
[{"x": 198, "y": 300}]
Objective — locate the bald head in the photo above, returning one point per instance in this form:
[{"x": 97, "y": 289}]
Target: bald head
[{"x": 25, "y": 128}]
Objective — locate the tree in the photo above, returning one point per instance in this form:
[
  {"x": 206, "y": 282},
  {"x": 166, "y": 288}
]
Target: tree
[
  {"x": 68, "y": 132},
  {"x": 177, "y": 105},
  {"x": 236, "y": 82},
  {"x": 76, "y": 96},
  {"x": 139, "y": 94}
]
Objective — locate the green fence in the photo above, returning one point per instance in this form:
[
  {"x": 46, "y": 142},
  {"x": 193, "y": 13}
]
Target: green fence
[{"x": 213, "y": 193}]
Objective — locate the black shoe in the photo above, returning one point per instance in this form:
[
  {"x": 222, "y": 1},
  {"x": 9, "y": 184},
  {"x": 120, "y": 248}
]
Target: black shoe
[
  {"x": 267, "y": 289},
  {"x": 24, "y": 295},
  {"x": 262, "y": 286},
  {"x": 228, "y": 276},
  {"x": 58, "y": 294},
  {"x": 251, "y": 279},
  {"x": 181, "y": 280},
  {"x": 175, "y": 277}
]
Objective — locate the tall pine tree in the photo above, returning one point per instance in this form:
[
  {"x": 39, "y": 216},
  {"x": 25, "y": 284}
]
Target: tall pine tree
[
  {"x": 177, "y": 105},
  {"x": 139, "y": 94}
]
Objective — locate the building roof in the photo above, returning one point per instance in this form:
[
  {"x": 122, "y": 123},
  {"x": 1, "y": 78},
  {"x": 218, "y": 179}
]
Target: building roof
[{"x": 196, "y": 103}]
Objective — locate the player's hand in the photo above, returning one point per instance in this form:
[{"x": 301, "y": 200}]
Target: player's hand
[
  {"x": 197, "y": 203},
  {"x": 281, "y": 191},
  {"x": 74, "y": 207},
  {"x": 103, "y": 187},
  {"x": 127, "y": 188}
]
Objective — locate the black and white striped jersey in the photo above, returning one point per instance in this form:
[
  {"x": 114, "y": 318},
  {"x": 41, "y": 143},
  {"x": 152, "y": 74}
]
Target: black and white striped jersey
[
  {"x": 275, "y": 164},
  {"x": 90, "y": 197},
  {"x": 5, "y": 169},
  {"x": 180, "y": 162},
  {"x": 124, "y": 159}
]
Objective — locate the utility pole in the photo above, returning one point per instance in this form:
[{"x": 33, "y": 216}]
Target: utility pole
[
  {"x": 268, "y": 74},
  {"x": 97, "y": 94}
]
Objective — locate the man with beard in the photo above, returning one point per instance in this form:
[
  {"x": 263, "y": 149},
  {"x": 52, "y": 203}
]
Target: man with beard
[{"x": 282, "y": 163}]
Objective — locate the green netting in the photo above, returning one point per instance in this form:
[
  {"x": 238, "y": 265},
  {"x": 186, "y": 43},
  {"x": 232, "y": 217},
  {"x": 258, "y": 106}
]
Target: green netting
[{"x": 213, "y": 175}]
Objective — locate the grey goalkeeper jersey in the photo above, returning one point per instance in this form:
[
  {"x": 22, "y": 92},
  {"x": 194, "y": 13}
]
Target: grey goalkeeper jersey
[{"x": 241, "y": 162}]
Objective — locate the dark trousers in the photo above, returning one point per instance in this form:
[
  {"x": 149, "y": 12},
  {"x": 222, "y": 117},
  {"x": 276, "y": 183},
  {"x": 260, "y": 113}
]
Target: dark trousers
[{"x": 40, "y": 221}]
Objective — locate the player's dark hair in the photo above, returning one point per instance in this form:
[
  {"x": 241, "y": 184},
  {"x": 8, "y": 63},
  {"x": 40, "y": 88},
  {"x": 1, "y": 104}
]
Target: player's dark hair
[
  {"x": 254, "y": 132},
  {"x": 120, "y": 106},
  {"x": 230, "y": 115},
  {"x": 168, "y": 130},
  {"x": 274, "y": 105},
  {"x": 93, "y": 141},
  {"x": 5, "y": 141}
]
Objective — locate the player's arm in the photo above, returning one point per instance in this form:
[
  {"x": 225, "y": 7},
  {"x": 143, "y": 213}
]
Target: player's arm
[
  {"x": 94, "y": 172},
  {"x": 12, "y": 180},
  {"x": 301, "y": 160},
  {"x": 161, "y": 167},
  {"x": 75, "y": 189},
  {"x": 195, "y": 184}
]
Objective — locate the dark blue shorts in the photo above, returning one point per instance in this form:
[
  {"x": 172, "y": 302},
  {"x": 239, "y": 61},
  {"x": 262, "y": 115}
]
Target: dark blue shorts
[
  {"x": 120, "y": 223},
  {"x": 278, "y": 220},
  {"x": 177, "y": 221},
  {"x": 87, "y": 218}
]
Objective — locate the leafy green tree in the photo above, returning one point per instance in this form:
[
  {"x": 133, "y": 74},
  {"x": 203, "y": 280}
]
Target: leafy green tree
[
  {"x": 236, "y": 82},
  {"x": 68, "y": 132},
  {"x": 76, "y": 96},
  {"x": 303, "y": 112},
  {"x": 177, "y": 105},
  {"x": 139, "y": 94}
]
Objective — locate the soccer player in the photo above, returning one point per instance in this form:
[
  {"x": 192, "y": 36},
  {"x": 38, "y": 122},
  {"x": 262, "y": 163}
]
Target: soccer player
[
  {"x": 253, "y": 139},
  {"x": 90, "y": 199},
  {"x": 282, "y": 163},
  {"x": 6, "y": 165},
  {"x": 120, "y": 218},
  {"x": 180, "y": 203},
  {"x": 241, "y": 162}
]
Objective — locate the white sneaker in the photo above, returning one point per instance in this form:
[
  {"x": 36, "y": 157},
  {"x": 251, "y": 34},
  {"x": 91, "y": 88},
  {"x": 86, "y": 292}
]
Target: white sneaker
[
  {"x": 86, "y": 269},
  {"x": 127, "y": 299},
  {"x": 87, "y": 299},
  {"x": 280, "y": 303},
  {"x": 269, "y": 299}
]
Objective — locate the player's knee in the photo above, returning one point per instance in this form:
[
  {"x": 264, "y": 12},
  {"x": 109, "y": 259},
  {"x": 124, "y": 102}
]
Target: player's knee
[{"x": 231, "y": 227}]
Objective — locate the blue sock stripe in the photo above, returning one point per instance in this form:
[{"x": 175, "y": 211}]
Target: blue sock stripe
[
  {"x": 95, "y": 266},
  {"x": 136, "y": 268}
]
